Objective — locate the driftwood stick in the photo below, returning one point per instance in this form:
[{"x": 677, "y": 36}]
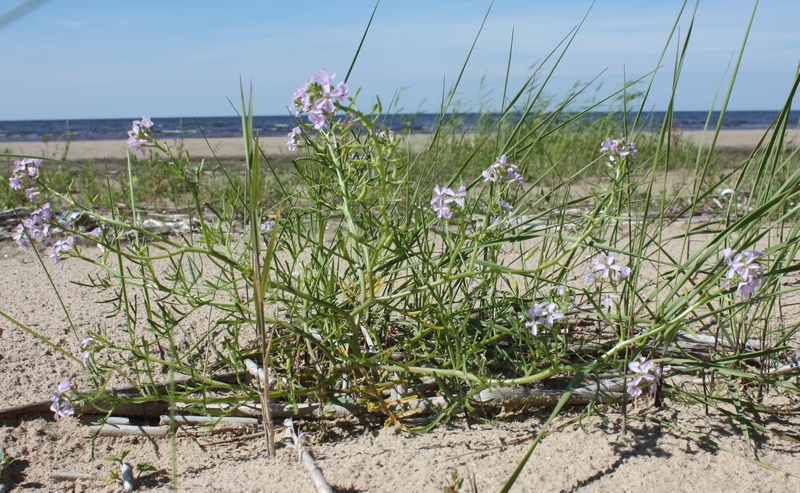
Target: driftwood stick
[
  {"x": 165, "y": 420},
  {"x": 108, "y": 430},
  {"x": 70, "y": 476},
  {"x": 314, "y": 472}
]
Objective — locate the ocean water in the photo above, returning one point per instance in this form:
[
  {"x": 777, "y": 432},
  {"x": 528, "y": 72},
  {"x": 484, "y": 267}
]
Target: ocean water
[{"x": 194, "y": 127}]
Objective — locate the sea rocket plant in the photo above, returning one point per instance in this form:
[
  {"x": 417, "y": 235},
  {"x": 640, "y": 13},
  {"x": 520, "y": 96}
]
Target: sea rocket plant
[
  {"x": 61, "y": 405},
  {"x": 543, "y": 313},
  {"x": 743, "y": 271}
]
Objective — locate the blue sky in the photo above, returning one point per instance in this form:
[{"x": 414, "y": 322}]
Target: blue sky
[{"x": 110, "y": 59}]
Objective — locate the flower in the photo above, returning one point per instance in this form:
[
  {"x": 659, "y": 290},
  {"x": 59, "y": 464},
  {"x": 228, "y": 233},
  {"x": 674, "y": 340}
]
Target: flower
[
  {"x": 743, "y": 271},
  {"x": 543, "y": 313},
  {"x": 267, "y": 226},
  {"x": 59, "y": 247},
  {"x": 502, "y": 170},
  {"x": 61, "y": 405},
  {"x": 608, "y": 301},
  {"x": 141, "y": 133},
  {"x": 618, "y": 148},
  {"x": 388, "y": 136},
  {"x": 85, "y": 349},
  {"x": 317, "y": 98},
  {"x": 646, "y": 375},
  {"x": 443, "y": 197},
  {"x": 293, "y": 138},
  {"x": 603, "y": 267}
]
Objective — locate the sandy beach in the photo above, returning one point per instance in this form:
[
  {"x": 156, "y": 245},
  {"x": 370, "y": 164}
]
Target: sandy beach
[{"x": 233, "y": 147}]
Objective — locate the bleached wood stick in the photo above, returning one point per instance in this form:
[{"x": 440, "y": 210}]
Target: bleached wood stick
[
  {"x": 257, "y": 372},
  {"x": 165, "y": 420},
  {"x": 314, "y": 472},
  {"x": 108, "y": 430},
  {"x": 70, "y": 476}
]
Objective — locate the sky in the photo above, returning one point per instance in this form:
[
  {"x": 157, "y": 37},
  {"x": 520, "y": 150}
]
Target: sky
[{"x": 178, "y": 58}]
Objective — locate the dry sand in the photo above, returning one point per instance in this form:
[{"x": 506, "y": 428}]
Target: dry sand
[
  {"x": 360, "y": 458},
  {"x": 233, "y": 147}
]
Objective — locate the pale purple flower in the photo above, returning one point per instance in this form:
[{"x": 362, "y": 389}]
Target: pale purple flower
[
  {"x": 608, "y": 301},
  {"x": 647, "y": 374},
  {"x": 294, "y": 136},
  {"x": 20, "y": 238},
  {"x": 504, "y": 205},
  {"x": 60, "y": 246},
  {"x": 605, "y": 268},
  {"x": 61, "y": 405},
  {"x": 743, "y": 271},
  {"x": 267, "y": 226},
  {"x": 502, "y": 170},
  {"x": 141, "y": 133},
  {"x": 543, "y": 313},
  {"x": 443, "y": 197},
  {"x": 618, "y": 148},
  {"x": 318, "y": 118},
  {"x": 458, "y": 197}
]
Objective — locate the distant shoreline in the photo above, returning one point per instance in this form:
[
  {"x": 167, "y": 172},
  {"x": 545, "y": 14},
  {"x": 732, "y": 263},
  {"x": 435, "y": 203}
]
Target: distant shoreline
[{"x": 233, "y": 147}]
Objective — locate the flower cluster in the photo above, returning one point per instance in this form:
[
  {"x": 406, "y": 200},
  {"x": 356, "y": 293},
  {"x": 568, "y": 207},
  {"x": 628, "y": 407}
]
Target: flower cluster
[
  {"x": 504, "y": 219},
  {"x": 61, "y": 405},
  {"x": 618, "y": 148},
  {"x": 743, "y": 271},
  {"x": 443, "y": 197},
  {"x": 25, "y": 170},
  {"x": 543, "y": 313},
  {"x": 37, "y": 231},
  {"x": 605, "y": 268},
  {"x": 317, "y": 96},
  {"x": 388, "y": 136},
  {"x": 502, "y": 170},
  {"x": 141, "y": 133},
  {"x": 646, "y": 375}
]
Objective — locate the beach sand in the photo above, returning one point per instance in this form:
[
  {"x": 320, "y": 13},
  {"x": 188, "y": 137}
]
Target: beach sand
[
  {"x": 229, "y": 148},
  {"x": 592, "y": 456}
]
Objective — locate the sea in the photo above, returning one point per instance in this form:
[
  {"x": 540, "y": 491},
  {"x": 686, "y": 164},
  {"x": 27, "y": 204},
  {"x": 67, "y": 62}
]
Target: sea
[{"x": 230, "y": 126}]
